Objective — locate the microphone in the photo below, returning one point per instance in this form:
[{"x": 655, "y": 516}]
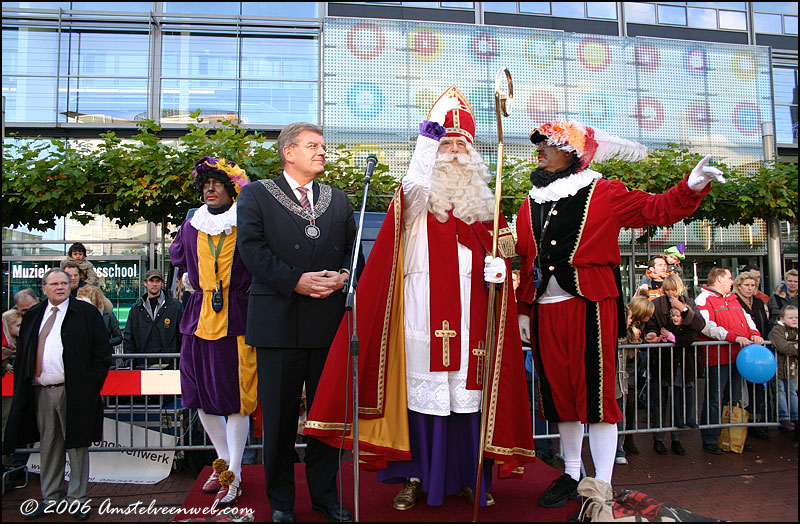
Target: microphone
[{"x": 372, "y": 160}]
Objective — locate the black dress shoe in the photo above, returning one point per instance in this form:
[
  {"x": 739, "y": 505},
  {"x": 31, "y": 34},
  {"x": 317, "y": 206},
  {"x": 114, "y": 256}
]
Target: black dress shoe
[
  {"x": 333, "y": 511},
  {"x": 82, "y": 515},
  {"x": 283, "y": 516},
  {"x": 659, "y": 447},
  {"x": 677, "y": 447},
  {"x": 712, "y": 448},
  {"x": 36, "y": 514}
]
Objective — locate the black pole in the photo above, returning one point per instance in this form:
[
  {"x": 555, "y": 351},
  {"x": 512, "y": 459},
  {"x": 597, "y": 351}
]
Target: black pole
[{"x": 350, "y": 305}]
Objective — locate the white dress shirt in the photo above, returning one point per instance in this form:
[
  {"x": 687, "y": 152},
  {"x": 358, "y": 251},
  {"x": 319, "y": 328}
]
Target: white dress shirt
[{"x": 53, "y": 357}]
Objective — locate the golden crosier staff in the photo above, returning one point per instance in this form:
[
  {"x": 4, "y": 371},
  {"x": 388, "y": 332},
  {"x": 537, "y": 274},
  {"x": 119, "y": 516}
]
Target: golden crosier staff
[{"x": 502, "y": 106}]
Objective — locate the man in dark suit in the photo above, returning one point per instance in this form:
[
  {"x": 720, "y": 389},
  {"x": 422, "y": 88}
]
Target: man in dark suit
[
  {"x": 295, "y": 236},
  {"x": 63, "y": 356}
]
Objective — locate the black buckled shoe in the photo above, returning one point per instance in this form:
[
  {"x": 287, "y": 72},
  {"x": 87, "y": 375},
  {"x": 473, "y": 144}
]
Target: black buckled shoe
[
  {"x": 561, "y": 490},
  {"x": 333, "y": 511},
  {"x": 283, "y": 516}
]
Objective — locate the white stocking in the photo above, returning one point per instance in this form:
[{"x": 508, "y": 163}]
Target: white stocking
[
  {"x": 603, "y": 444},
  {"x": 215, "y": 429},
  {"x": 238, "y": 428},
  {"x": 572, "y": 441}
]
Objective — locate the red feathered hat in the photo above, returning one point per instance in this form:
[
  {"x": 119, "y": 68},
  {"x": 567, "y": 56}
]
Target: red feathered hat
[{"x": 460, "y": 121}]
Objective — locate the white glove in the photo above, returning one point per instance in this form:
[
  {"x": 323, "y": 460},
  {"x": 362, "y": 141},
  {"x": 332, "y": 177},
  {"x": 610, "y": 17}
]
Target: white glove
[
  {"x": 525, "y": 328},
  {"x": 702, "y": 175},
  {"x": 494, "y": 272},
  {"x": 442, "y": 107}
]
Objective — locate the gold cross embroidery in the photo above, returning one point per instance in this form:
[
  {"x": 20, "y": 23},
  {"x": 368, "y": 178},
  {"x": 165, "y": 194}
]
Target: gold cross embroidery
[
  {"x": 480, "y": 352},
  {"x": 446, "y": 334}
]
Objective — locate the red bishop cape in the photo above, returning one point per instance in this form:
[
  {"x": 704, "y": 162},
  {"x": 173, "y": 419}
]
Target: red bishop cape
[{"x": 383, "y": 408}]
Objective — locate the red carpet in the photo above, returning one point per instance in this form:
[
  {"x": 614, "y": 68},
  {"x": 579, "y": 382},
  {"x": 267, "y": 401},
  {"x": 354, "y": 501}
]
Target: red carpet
[{"x": 516, "y": 499}]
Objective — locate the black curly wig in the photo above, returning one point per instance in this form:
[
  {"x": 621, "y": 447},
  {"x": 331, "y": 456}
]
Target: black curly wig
[{"x": 204, "y": 169}]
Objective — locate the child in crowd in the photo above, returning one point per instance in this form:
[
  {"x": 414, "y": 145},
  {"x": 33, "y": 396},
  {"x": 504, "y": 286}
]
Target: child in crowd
[
  {"x": 674, "y": 255},
  {"x": 682, "y": 375},
  {"x": 77, "y": 252},
  {"x": 784, "y": 337},
  {"x": 640, "y": 309}
]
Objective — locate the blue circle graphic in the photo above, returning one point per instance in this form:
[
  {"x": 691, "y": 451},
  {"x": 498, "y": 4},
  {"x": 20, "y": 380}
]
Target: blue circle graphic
[
  {"x": 365, "y": 99},
  {"x": 598, "y": 109}
]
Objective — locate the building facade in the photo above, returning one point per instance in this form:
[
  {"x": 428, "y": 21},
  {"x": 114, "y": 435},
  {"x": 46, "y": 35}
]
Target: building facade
[{"x": 705, "y": 75}]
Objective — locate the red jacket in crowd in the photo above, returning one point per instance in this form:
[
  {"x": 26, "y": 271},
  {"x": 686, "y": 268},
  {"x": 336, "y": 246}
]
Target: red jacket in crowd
[{"x": 725, "y": 320}]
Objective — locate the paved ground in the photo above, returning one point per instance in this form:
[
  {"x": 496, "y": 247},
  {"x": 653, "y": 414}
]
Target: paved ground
[{"x": 757, "y": 486}]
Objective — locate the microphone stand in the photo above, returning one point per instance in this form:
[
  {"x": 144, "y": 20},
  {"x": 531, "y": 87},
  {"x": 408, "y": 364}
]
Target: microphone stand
[{"x": 350, "y": 305}]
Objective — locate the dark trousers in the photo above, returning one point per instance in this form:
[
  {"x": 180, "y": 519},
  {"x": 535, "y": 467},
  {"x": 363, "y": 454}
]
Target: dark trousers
[{"x": 281, "y": 375}]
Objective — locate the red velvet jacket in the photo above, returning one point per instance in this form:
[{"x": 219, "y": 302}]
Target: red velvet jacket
[{"x": 611, "y": 206}]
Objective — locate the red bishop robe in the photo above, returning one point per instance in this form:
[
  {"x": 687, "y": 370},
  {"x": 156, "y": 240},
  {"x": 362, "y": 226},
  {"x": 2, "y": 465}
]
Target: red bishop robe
[{"x": 383, "y": 409}]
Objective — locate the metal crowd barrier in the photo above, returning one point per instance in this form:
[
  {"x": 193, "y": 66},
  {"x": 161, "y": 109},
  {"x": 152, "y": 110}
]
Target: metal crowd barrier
[
  {"x": 759, "y": 400},
  {"x": 164, "y": 414}
]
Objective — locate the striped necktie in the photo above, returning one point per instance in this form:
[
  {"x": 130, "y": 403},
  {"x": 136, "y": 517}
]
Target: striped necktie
[
  {"x": 304, "y": 197},
  {"x": 48, "y": 325}
]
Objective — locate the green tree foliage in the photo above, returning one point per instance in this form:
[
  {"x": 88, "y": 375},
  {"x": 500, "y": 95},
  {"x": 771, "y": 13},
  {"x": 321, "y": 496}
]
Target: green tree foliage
[{"x": 150, "y": 178}]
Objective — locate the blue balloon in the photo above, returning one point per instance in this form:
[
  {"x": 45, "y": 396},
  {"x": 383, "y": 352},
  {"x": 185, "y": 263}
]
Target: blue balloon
[{"x": 756, "y": 363}]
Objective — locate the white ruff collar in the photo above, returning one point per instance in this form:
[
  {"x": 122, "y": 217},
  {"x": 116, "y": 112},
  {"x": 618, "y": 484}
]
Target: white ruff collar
[
  {"x": 564, "y": 187},
  {"x": 212, "y": 225}
]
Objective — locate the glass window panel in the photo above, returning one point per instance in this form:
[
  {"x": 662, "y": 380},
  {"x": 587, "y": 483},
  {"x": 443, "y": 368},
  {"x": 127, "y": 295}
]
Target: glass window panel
[
  {"x": 640, "y": 13},
  {"x": 459, "y": 5},
  {"x": 38, "y": 5},
  {"x": 421, "y": 4},
  {"x": 542, "y": 8},
  {"x": 670, "y": 14},
  {"x": 732, "y": 20},
  {"x": 203, "y": 8},
  {"x": 215, "y": 98},
  {"x": 767, "y": 23},
  {"x": 127, "y": 7},
  {"x": 784, "y": 81},
  {"x": 282, "y": 9},
  {"x": 30, "y": 99},
  {"x": 790, "y": 25},
  {"x": 189, "y": 55},
  {"x": 705, "y": 18},
  {"x": 500, "y": 7},
  {"x": 280, "y": 58},
  {"x": 102, "y": 100},
  {"x": 30, "y": 51},
  {"x": 741, "y": 6},
  {"x": 104, "y": 54},
  {"x": 786, "y": 8},
  {"x": 607, "y": 10},
  {"x": 569, "y": 9},
  {"x": 279, "y": 103},
  {"x": 786, "y": 124}
]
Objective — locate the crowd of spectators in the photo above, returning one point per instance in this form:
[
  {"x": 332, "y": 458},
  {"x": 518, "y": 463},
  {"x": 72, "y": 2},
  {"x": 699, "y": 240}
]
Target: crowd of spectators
[{"x": 729, "y": 309}]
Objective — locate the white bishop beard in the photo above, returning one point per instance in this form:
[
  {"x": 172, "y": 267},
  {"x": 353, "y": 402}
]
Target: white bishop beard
[{"x": 460, "y": 183}]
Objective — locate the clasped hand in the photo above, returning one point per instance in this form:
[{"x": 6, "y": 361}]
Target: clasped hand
[{"x": 319, "y": 284}]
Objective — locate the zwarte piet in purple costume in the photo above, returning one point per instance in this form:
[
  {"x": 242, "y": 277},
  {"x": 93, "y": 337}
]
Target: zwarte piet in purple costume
[{"x": 218, "y": 370}]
